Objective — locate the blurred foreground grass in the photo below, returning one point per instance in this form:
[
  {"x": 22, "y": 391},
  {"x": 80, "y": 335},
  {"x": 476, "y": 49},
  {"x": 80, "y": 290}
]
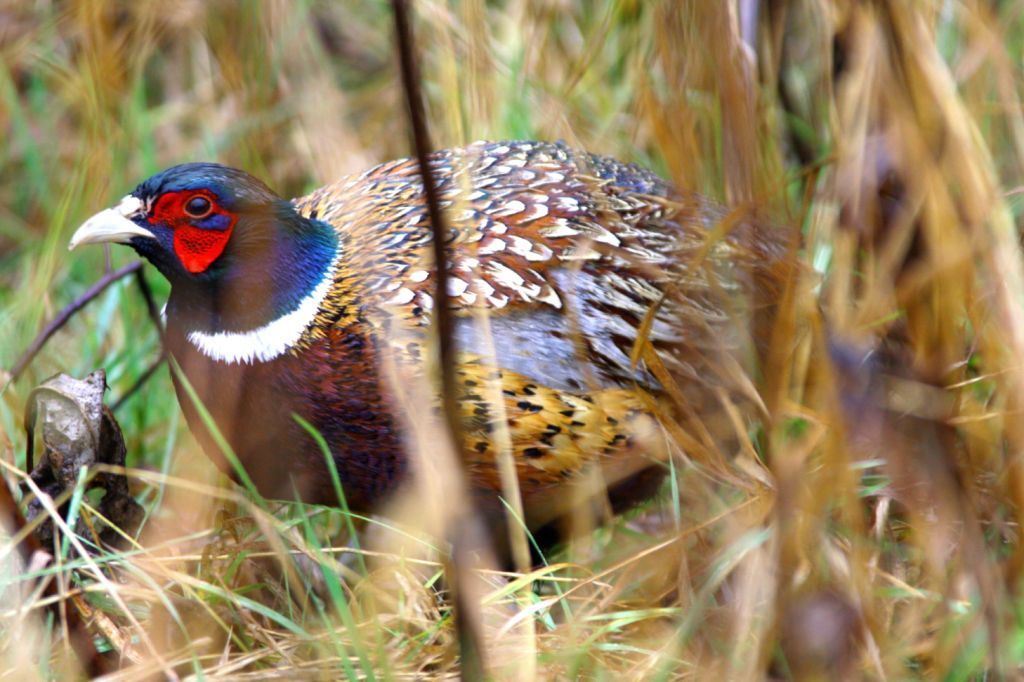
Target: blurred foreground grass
[{"x": 869, "y": 528}]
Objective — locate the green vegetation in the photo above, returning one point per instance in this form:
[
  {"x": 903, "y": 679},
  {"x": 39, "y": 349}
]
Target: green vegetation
[{"x": 870, "y": 525}]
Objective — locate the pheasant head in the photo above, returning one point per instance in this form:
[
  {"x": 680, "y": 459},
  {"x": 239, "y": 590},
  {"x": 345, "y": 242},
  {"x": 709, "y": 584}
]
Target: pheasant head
[{"x": 237, "y": 255}]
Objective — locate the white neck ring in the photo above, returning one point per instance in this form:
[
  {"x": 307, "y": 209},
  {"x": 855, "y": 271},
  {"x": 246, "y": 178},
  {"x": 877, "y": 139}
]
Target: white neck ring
[{"x": 273, "y": 339}]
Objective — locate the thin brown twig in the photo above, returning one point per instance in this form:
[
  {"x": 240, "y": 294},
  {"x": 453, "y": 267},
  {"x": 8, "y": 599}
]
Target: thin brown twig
[
  {"x": 154, "y": 314},
  {"x": 470, "y": 650},
  {"x": 421, "y": 142},
  {"x": 146, "y": 375},
  {"x": 66, "y": 314}
]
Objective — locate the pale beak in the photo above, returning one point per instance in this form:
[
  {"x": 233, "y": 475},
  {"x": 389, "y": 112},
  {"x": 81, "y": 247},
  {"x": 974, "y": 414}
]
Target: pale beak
[{"x": 111, "y": 225}]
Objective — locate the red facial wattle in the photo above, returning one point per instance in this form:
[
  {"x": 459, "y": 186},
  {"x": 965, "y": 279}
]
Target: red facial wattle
[{"x": 196, "y": 247}]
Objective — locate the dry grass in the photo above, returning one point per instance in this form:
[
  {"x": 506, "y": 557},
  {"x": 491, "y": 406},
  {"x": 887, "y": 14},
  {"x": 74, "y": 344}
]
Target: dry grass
[{"x": 869, "y": 527}]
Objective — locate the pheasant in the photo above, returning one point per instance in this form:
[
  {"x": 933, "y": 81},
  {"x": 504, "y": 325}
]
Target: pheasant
[{"x": 601, "y": 290}]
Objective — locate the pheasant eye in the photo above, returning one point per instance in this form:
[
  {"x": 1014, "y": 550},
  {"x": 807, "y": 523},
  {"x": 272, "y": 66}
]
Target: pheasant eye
[{"x": 198, "y": 207}]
